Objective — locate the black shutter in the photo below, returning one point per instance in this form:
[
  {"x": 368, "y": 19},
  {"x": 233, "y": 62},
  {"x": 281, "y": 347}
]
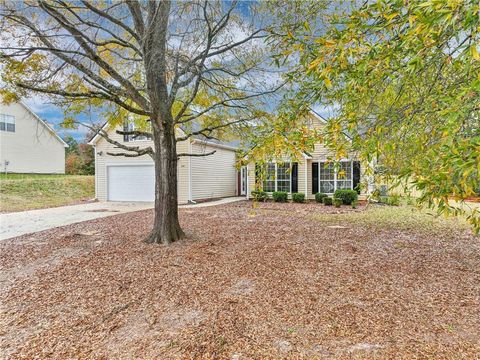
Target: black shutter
[
  {"x": 314, "y": 177},
  {"x": 294, "y": 177},
  {"x": 126, "y": 138},
  {"x": 356, "y": 176}
]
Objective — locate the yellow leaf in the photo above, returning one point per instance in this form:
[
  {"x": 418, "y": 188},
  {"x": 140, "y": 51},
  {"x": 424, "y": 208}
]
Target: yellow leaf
[
  {"x": 328, "y": 83},
  {"x": 475, "y": 53}
]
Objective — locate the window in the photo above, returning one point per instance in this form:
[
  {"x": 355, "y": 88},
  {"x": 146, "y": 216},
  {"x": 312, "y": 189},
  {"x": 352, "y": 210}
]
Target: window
[
  {"x": 269, "y": 182},
  {"x": 277, "y": 177},
  {"x": 7, "y": 123},
  {"x": 131, "y": 127},
  {"x": 327, "y": 177},
  {"x": 283, "y": 177},
  {"x": 344, "y": 175},
  {"x": 332, "y": 178}
]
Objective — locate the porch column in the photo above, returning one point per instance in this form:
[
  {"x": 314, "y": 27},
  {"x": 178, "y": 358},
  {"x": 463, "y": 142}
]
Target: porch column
[{"x": 306, "y": 178}]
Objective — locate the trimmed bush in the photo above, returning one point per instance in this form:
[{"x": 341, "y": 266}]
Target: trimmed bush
[
  {"x": 337, "y": 202},
  {"x": 298, "y": 197},
  {"x": 347, "y": 196},
  {"x": 259, "y": 195},
  {"x": 327, "y": 201},
  {"x": 319, "y": 197},
  {"x": 280, "y": 196},
  {"x": 393, "y": 200}
]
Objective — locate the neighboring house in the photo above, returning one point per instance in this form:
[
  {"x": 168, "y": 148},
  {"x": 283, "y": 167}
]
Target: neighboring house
[
  {"x": 309, "y": 175},
  {"x": 27, "y": 143},
  {"x": 119, "y": 178}
]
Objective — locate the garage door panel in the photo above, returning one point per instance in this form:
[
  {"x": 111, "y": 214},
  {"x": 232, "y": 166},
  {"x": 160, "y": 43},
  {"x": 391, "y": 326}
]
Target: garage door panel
[{"x": 131, "y": 183}]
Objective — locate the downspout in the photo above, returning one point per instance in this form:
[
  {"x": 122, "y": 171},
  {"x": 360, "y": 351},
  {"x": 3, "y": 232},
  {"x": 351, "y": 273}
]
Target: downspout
[{"x": 190, "y": 195}]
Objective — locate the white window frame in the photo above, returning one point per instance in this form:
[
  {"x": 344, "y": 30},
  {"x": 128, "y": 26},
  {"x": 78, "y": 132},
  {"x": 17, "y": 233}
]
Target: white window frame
[
  {"x": 335, "y": 171},
  {"x": 131, "y": 138},
  {"x": 276, "y": 176},
  {"x": 3, "y": 119}
]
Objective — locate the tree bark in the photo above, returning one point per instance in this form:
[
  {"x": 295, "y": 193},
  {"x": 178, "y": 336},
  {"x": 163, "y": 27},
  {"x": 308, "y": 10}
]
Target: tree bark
[{"x": 166, "y": 228}]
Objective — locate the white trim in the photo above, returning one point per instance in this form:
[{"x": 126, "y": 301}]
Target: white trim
[
  {"x": 248, "y": 184},
  {"x": 133, "y": 163},
  {"x": 306, "y": 179},
  {"x": 210, "y": 143},
  {"x": 243, "y": 180},
  {"x": 96, "y": 173},
  {"x": 276, "y": 175},
  {"x": 335, "y": 171},
  {"x": 190, "y": 194},
  {"x": 97, "y": 135},
  {"x": 44, "y": 124}
]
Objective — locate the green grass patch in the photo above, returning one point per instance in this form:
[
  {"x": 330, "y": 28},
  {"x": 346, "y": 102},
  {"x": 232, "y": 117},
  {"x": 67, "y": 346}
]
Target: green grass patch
[
  {"x": 4, "y": 176},
  {"x": 34, "y": 191},
  {"x": 393, "y": 217}
]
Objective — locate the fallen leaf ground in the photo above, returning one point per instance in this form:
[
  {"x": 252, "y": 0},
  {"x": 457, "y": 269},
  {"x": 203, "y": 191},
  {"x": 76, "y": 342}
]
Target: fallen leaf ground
[{"x": 278, "y": 281}]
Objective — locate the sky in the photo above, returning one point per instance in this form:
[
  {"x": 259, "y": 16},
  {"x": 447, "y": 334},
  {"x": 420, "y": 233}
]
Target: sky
[{"x": 54, "y": 116}]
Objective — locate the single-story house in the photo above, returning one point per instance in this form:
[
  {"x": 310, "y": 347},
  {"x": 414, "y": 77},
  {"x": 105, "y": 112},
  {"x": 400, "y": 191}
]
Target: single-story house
[
  {"x": 27, "y": 143},
  {"x": 312, "y": 174},
  {"x": 119, "y": 178}
]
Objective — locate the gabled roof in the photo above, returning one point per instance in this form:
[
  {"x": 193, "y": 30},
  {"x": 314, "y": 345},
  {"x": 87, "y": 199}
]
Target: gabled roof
[
  {"x": 49, "y": 128},
  {"x": 233, "y": 145},
  {"x": 322, "y": 119}
]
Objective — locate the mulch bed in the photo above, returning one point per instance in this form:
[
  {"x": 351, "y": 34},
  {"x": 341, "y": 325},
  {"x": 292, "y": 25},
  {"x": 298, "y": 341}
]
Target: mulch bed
[{"x": 270, "y": 282}]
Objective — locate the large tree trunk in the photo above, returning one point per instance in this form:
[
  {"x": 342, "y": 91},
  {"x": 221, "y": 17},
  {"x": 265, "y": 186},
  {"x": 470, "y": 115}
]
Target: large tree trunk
[{"x": 166, "y": 227}]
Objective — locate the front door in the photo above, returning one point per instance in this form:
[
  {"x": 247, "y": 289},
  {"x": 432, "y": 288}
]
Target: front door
[{"x": 243, "y": 180}]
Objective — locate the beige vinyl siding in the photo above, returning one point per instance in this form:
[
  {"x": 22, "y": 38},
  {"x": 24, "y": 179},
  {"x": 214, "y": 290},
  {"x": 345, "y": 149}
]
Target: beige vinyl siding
[
  {"x": 103, "y": 147},
  {"x": 319, "y": 153},
  {"x": 213, "y": 176},
  {"x": 33, "y": 147}
]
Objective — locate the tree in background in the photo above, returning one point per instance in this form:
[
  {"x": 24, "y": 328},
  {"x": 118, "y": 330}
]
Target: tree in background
[
  {"x": 404, "y": 76},
  {"x": 79, "y": 158},
  {"x": 162, "y": 65}
]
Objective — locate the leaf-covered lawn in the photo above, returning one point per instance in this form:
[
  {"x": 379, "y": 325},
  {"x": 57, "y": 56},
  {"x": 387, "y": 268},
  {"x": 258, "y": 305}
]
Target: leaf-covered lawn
[
  {"x": 279, "y": 281},
  {"x": 20, "y": 192}
]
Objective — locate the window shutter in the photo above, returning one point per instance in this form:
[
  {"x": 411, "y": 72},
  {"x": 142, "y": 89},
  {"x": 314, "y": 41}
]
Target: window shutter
[
  {"x": 126, "y": 138},
  {"x": 356, "y": 176},
  {"x": 314, "y": 177},
  {"x": 294, "y": 177}
]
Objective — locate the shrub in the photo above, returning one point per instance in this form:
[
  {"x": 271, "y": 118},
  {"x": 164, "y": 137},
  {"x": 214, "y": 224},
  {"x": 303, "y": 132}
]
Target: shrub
[
  {"x": 337, "y": 202},
  {"x": 298, "y": 197},
  {"x": 319, "y": 197},
  {"x": 393, "y": 200},
  {"x": 355, "y": 204},
  {"x": 259, "y": 195},
  {"x": 347, "y": 196},
  {"x": 327, "y": 201},
  {"x": 280, "y": 196}
]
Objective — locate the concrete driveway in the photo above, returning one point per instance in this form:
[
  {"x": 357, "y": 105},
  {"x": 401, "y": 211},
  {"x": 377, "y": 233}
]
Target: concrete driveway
[{"x": 26, "y": 222}]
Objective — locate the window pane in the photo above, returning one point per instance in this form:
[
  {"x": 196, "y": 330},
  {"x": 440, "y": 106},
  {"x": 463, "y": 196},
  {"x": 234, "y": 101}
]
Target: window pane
[
  {"x": 345, "y": 171},
  {"x": 9, "y": 119},
  {"x": 2, "y": 126},
  {"x": 283, "y": 177},
  {"x": 11, "y": 127},
  {"x": 327, "y": 171},
  {"x": 269, "y": 182},
  {"x": 342, "y": 184},
  {"x": 327, "y": 187}
]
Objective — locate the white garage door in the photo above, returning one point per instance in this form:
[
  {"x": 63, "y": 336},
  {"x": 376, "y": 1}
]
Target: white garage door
[{"x": 131, "y": 183}]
